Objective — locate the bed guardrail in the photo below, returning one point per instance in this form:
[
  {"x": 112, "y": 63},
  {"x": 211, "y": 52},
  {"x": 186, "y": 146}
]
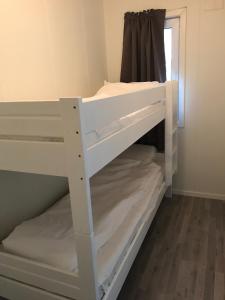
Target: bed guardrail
[
  {"x": 102, "y": 112},
  {"x": 32, "y": 134}
]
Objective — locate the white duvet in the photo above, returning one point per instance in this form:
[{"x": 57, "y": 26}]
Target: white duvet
[
  {"x": 119, "y": 88},
  {"x": 116, "y": 192}
]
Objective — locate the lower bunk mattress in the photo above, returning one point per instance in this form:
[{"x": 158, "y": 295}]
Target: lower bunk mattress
[{"x": 121, "y": 194}]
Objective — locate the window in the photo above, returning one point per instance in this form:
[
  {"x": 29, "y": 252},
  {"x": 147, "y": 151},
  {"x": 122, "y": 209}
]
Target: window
[
  {"x": 174, "y": 39},
  {"x": 168, "y": 52}
]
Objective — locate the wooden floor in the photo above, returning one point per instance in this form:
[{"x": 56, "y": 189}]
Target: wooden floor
[{"x": 183, "y": 255}]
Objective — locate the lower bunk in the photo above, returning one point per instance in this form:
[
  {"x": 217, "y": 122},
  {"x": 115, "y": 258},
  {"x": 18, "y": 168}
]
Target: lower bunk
[{"x": 125, "y": 198}]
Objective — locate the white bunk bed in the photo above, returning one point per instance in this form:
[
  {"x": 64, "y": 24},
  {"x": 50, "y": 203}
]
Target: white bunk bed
[{"x": 77, "y": 139}]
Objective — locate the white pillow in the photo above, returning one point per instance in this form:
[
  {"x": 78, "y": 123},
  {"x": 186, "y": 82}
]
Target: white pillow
[{"x": 118, "y": 88}]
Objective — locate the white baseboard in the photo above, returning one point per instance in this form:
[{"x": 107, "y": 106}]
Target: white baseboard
[{"x": 199, "y": 194}]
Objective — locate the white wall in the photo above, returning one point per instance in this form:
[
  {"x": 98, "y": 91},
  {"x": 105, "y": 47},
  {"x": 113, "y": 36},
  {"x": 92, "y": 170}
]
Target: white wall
[
  {"x": 51, "y": 48},
  {"x": 202, "y": 141},
  {"x": 48, "y": 49}
]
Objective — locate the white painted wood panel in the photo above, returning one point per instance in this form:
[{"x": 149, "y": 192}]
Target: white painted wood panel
[
  {"x": 42, "y": 282},
  {"x": 30, "y": 108},
  {"x": 15, "y": 290},
  {"x": 38, "y": 268},
  {"x": 33, "y": 157},
  {"x": 39, "y": 126},
  {"x": 102, "y": 112},
  {"x": 80, "y": 196},
  {"x": 103, "y": 152},
  {"x": 171, "y": 129}
]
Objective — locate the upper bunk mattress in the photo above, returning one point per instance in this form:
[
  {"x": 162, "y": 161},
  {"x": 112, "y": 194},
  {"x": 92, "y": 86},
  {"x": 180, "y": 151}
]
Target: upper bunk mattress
[
  {"x": 121, "y": 193},
  {"x": 120, "y": 88},
  {"x": 116, "y": 89}
]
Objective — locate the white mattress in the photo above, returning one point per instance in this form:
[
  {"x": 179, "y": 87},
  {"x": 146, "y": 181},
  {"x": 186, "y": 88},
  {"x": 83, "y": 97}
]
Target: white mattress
[
  {"x": 115, "y": 89},
  {"x": 119, "y": 88},
  {"x": 121, "y": 192}
]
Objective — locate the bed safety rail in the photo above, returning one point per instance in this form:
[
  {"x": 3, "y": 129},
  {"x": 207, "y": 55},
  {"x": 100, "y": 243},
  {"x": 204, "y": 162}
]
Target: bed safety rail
[{"x": 32, "y": 133}]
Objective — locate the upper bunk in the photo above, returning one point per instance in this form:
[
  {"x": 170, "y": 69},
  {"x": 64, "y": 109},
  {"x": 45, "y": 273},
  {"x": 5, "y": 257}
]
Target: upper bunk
[{"x": 41, "y": 136}]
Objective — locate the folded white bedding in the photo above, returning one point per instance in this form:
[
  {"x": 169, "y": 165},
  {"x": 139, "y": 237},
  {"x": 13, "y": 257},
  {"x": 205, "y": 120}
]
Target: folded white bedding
[
  {"x": 120, "y": 88},
  {"x": 117, "y": 192},
  {"x": 117, "y": 189}
]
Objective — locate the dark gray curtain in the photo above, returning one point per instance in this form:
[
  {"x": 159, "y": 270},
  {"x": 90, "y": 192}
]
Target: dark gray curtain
[{"x": 143, "y": 57}]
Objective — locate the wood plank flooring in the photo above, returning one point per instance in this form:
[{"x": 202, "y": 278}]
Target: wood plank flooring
[{"x": 183, "y": 255}]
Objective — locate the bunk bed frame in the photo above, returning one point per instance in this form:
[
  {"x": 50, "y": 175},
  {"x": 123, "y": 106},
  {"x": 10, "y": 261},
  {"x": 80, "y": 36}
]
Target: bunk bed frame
[{"x": 48, "y": 137}]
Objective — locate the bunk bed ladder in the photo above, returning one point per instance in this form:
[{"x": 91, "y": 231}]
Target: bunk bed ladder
[{"x": 171, "y": 134}]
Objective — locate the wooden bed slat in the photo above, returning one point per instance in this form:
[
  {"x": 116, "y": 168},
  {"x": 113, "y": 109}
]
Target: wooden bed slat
[
  {"x": 31, "y": 126},
  {"x": 103, "y": 152},
  {"x": 30, "y": 108},
  {"x": 33, "y": 157},
  {"x": 16, "y": 290},
  {"x": 48, "y": 284}
]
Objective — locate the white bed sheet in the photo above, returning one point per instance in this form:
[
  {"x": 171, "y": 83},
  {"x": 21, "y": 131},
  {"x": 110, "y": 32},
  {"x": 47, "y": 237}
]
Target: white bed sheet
[
  {"x": 111, "y": 255},
  {"x": 119, "y": 88},
  {"x": 49, "y": 238},
  {"x": 115, "y": 89}
]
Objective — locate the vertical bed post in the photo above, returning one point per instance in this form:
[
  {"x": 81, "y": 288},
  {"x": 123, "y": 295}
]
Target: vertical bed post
[
  {"x": 170, "y": 132},
  {"x": 73, "y": 123}
]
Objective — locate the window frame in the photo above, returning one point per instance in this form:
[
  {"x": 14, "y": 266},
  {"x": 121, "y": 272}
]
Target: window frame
[{"x": 176, "y": 19}]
